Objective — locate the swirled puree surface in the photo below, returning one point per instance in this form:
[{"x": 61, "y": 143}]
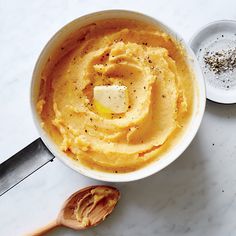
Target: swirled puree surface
[{"x": 141, "y": 58}]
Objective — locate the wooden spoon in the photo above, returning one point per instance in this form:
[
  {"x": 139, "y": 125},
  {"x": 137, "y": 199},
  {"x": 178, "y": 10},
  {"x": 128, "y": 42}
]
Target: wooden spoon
[{"x": 85, "y": 208}]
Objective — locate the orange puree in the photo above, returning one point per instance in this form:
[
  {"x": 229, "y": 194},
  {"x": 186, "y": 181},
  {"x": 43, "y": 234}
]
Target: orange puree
[{"x": 160, "y": 87}]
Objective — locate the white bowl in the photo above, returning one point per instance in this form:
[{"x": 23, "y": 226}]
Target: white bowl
[
  {"x": 209, "y": 40},
  {"x": 167, "y": 158}
]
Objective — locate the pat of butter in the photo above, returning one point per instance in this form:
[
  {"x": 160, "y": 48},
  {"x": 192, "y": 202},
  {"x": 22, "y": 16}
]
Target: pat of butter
[{"x": 111, "y": 99}]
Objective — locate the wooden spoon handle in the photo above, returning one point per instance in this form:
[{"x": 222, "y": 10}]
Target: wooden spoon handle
[{"x": 45, "y": 229}]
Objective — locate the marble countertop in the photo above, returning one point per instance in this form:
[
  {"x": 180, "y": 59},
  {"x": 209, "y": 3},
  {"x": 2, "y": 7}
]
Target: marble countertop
[{"x": 195, "y": 195}]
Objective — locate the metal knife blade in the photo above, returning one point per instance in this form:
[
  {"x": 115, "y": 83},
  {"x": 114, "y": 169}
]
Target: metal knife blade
[{"x": 22, "y": 164}]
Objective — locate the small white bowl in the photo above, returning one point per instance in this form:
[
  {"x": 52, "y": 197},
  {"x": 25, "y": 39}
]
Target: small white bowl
[
  {"x": 212, "y": 38},
  {"x": 155, "y": 166}
]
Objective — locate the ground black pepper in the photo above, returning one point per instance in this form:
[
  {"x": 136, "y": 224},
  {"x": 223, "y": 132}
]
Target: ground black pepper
[{"x": 221, "y": 61}]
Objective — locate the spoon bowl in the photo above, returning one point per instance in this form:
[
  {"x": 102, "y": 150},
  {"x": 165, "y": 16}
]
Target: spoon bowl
[{"x": 85, "y": 208}]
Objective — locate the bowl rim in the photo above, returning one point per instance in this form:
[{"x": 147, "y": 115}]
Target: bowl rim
[{"x": 156, "y": 165}]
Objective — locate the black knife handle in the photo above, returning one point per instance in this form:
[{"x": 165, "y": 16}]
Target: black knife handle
[{"x": 23, "y": 164}]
